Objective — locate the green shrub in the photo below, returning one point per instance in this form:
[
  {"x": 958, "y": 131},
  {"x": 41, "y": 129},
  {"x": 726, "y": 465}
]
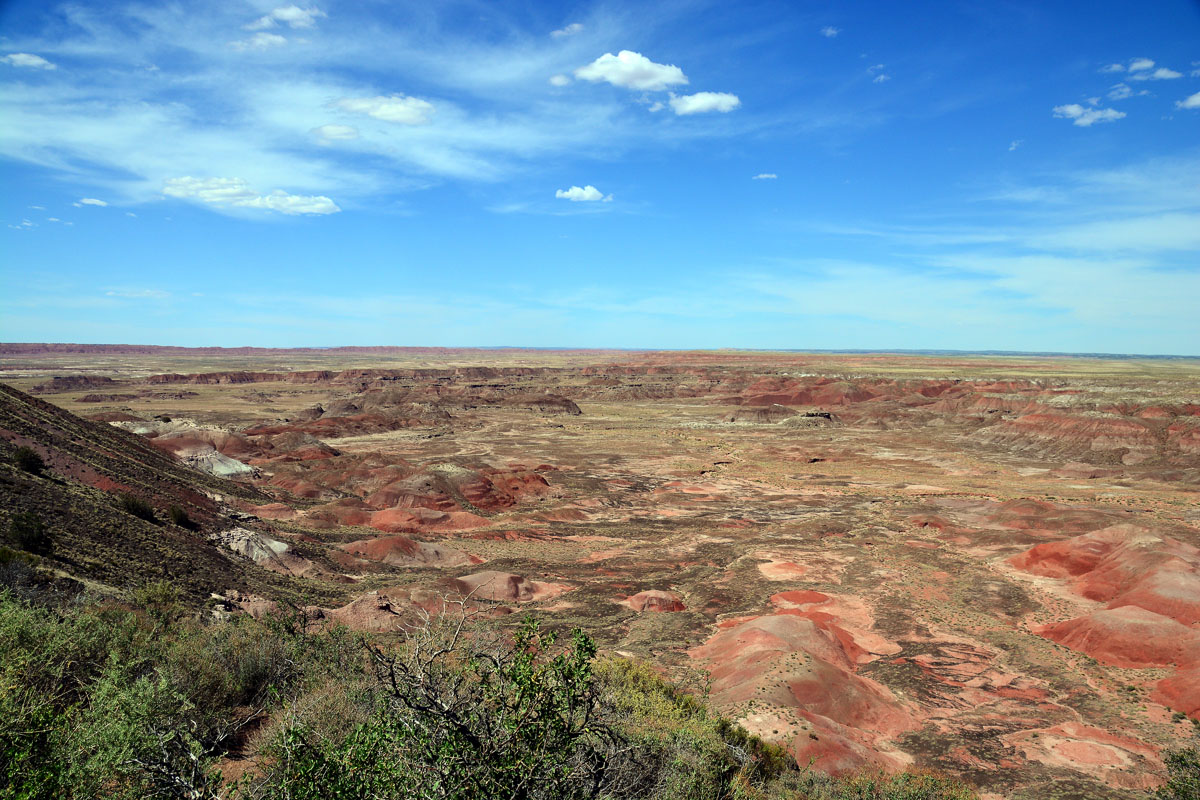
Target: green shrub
[
  {"x": 29, "y": 533},
  {"x": 138, "y": 507},
  {"x": 458, "y": 718},
  {"x": 1183, "y": 775},
  {"x": 29, "y": 460}
]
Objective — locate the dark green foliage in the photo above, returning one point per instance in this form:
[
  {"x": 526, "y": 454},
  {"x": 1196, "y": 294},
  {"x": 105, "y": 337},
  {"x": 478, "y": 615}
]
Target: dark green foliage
[
  {"x": 1183, "y": 775},
  {"x": 138, "y": 507},
  {"x": 180, "y": 518},
  {"x": 29, "y": 533},
  {"x": 459, "y": 718},
  {"x": 29, "y": 460}
]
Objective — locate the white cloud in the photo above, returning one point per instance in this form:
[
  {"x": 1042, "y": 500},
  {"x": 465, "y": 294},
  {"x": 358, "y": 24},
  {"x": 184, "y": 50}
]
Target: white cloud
[
  {"x": 1113, "y": 68},
  {"x": 395, "y": 108},
  {"x": 567, "y": 30},
  {"x": 1139, "y": 64},
  {"x": 656, "y": 106},
  {"x": 1015, "y": 144},
  {"x": 703, "y": 102},
  {"x": 53, "y": 219},
  {"x": 91, "y": 201},
  {"x": 1190, "y": 102},
  {"x": 1120, "y": 91},
  {"x": 139, "y": 294},
  {"x": 236, "y": 192},
  {"x": 881, "y": 78},
  {"x": 259, "y": 41},
  {"x": 294, "y": 16},
  {"x": 27, "y": 60},
  {"x": 1085, "y": 117},
  {"x": 829, "y": 31},
  {"x": 632, "y": 71},
  {"x": 765, "y": 176},
  {"x": 1160, "y": 74},
  {"x": 559, "y": 80},
  {"x": 584, "y": 194},
  {"x": 333, "y": 133}
]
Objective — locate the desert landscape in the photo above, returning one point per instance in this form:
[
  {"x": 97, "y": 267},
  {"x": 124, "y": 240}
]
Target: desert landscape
[{"x": 987, "y": 565}]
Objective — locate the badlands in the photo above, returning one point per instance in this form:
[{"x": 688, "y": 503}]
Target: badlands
[{"x": 985, "y": 565}]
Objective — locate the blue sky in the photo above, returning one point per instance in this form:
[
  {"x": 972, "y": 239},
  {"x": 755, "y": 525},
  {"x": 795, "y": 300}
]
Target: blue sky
[{"x": 1006, "y": 175}]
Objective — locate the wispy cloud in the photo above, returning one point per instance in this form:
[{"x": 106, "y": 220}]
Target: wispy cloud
[
  {"x": 567, "y": 30},
  {"x": 236, "y": 192},
  {"x": 291, "y": 15},
  {"x": 765, "y": 176},
  {"x": 830, "y": 32},
  {"x": 28, "y": 60}
]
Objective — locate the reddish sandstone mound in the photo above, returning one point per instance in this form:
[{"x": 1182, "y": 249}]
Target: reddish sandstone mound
[
  {"x": 804, "y": 667},
  {"x": 1088, "y": 437},
  {"x": 394, "y": 483},
  {"x": 1128, "y": 637},
  {"x": 400, "y": 551},
  {"x": 505, "y": 587},
  {"x": 1181, "y": 691},
  {"x": 655, "y": 600},
  {"x": 1124, "y": 565},
  {"x": 1117, "y": 760},
  {"x": 74, "y": 383},
  {"x": 400, "y": 520}
]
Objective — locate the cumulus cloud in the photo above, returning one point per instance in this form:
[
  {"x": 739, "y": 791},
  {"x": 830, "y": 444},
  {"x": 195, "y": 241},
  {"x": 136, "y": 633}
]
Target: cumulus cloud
[
  {"x": 28, "y": 60},
  {"x": 881, "y": 78},
  {"x": 237, "y": 192},
  {"x": 1190, "y": 102},
  {"x": 333, "y": 133},
  {"x": 632, "y": 71},
  {"x": 394, "y": 108},
  {"x": 1113, "y": 68},
  {"x": 829, "y": 31},
  {"x": 703, "y": 102},
  {"x": 567, "y": 30},
  {"x": 90, "y": 201},
  {"x": 559, "y": 80},
  {"x": 1139, "y": 64},
  {"x": 259, "y": 41},
  {"x": 294, "y": 16},
  {"x": 583, "y": 194},
  {"x": 1160, "y": 74},
  {"x": 1085, "y": 117},
  {"x": 765, "y": 176}
]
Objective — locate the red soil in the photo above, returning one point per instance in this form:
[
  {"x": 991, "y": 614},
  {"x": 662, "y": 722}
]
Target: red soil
[{"x": 1128, "y": 637}]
